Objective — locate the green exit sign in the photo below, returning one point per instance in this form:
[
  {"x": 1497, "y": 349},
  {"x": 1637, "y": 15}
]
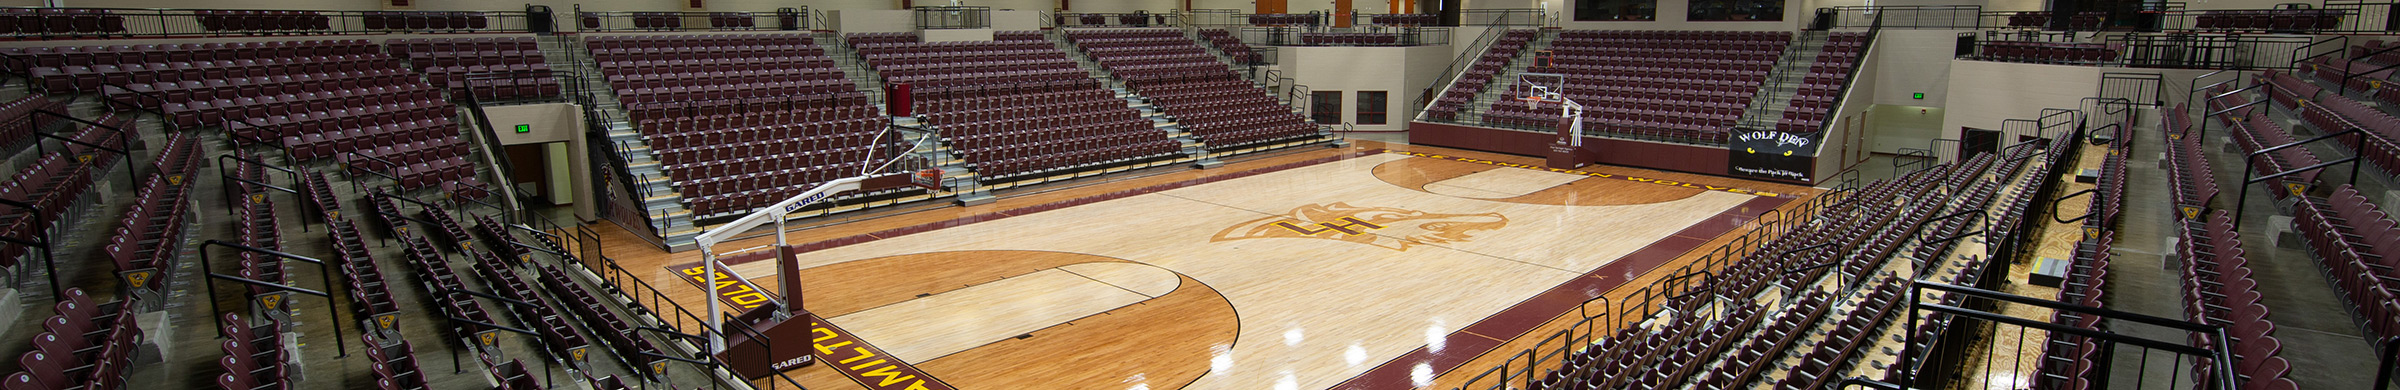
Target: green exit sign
[
  {"x": 522, "y": 129},
  {"x": 1919, "y": 96}
]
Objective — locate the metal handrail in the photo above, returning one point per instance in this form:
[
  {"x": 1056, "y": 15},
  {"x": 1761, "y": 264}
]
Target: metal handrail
[
  {"x": 340, "y": 346},
  {"x": 1450, "y": 74}
]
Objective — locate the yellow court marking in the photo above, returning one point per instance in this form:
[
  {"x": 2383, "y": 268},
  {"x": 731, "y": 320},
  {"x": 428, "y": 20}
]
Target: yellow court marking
[{"x": 1670, "y": 183}]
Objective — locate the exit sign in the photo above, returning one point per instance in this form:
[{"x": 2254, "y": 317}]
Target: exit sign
[
  {"x": 1918, "y": 96},
  {"x": 522, "y": 129}
]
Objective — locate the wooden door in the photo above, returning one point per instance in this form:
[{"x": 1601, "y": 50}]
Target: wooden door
[{"x": 1271, "y": 6}]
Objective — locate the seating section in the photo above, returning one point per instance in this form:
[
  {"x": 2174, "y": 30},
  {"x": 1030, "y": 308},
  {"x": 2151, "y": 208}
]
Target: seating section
[
  {"x": 21, "y": 121},
  {"x": 558, "y": 336},
  {"x": 2047, "y": 52},
  {"x": 63, "y": 21},
  {"x": 256, "y": 356},
  {"x": 54, "y": 184},
  {"x": 2218, "y": 290},
  {"x": 938, "y": 67},
  {"x": 2268, "y": 19},
  {"x": 741, "y": 121},
  {"x": 448, "y": 62},
  {"x": 2260, "y": 132},
  {"x": 1858, "y": 328},
  {"x": 857, "y": 39},
  {"x": 313, "y": 98},
  {"x": 654, "y": 21},
  {"x": 2354, "y": 242},
  {"x": 1217, "y": 106},
  {"x": 1066, "y": 120},
  {"x": 1231, "y": 46},
  {"x": 1404, "y": 19},
  {"x": 1680, "y": 85},
  {"x": 1821, "y": 91},
  {"x": 84, "y": 345},
  {"x": 1349, "y": 39},
  {"x": 652, "y": 69},
  {"x": 2194, "y": 182},
  {"x": 395, "y": 365},
  {"x": 2080, "y": 21},
  {"x": 1472, "y": 81},
  {"x": 261, "y": 22},
  {"x": 1285, "y": 19},
  {"x": 426, "y": 21},
  {"x": 153, "y": 232}
]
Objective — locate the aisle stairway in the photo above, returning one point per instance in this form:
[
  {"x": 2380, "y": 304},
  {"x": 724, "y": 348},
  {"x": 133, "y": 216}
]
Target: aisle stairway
[{"x": 670, "y": 216}]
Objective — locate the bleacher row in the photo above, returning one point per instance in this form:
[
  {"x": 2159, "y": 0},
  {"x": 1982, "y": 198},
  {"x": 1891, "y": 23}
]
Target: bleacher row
[
  {"x": 314, "y": 99},
  {"x": 2080, "y": 21},
  {"x": 1688, "y": 85},
  {"x": 1219, "y": 107},
  {"x": 448, "y": 63},
  {"x": 2268, "y": 19},
  {"x": 87, "y": 344},
  {"x": 939, "y": 66},
  {"x": 84, "y": 345},
  {"x": 1814, "y": 102},
  {"x": 739, "y": 120},
  {"x": 1816, "y": 336},
  {"x": 1472, "y": 81},
  {"x": 2047, "y": 52},
  {"x": 1065, "y": 120},
  {"x": 2341, "y": 229},
  {"x": 1231, "y": 46}
]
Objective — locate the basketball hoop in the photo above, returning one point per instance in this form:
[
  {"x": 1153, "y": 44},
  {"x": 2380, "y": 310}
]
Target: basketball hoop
[{"x": 928, "y": 178}]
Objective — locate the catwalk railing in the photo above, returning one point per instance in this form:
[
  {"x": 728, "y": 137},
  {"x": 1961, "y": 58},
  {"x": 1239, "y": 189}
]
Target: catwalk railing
[
  {"x": 1967, "y": 314},
  {"x": 1694, "y": 280},
  {"x": 1907, "y": 16},
  {"x": 953, "y": 17},
  {"x": 784, "y": 19},
  {"x": 1474, "y": 53},
  {"x": 1352, "y": 36},
  {"x": 2138, "y": 50},
  {"x": 585, "y": 252},
  {"x": 1134, "y": 19},
  {"x": 41, "y": 23}
]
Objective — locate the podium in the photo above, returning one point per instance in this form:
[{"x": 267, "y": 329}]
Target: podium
[{"x": 1567, "y": 152}]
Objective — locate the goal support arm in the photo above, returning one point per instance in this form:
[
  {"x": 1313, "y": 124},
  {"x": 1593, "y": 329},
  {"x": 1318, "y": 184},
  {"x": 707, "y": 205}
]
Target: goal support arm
[{"x": 707, "y": 241}]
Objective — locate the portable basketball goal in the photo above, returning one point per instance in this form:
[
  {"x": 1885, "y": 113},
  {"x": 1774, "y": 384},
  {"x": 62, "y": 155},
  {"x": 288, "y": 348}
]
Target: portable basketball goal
[
  {"x": 1535, "y": 88},
  {"x": 898, "y": 162}
]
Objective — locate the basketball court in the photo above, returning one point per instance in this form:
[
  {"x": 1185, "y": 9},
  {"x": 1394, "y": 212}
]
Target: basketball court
[{"x": 1294, "y": 271}]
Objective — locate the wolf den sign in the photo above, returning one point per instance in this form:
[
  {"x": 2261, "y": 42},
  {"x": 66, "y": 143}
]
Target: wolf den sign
[{"x": 1774, "y": 155}]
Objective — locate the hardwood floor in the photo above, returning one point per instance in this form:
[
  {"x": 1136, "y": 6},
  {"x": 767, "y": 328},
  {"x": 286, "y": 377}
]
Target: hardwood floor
[{"x": 1309, "y": 269}]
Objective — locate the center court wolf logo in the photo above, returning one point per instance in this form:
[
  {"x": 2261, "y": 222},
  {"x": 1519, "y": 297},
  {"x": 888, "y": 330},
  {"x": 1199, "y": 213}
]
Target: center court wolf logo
[{"x": 1387, "y": 227}]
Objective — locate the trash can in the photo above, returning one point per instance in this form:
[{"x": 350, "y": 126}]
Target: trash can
[{"x": 896, "y": 99}]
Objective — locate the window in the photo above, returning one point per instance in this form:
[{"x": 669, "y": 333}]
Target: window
[
  {"x": 1736, "y": 10},
  {"x": 1370, "y": 107},
  {"x": 1616, "y": 10},
  {"x": 1325, "y": 107}
]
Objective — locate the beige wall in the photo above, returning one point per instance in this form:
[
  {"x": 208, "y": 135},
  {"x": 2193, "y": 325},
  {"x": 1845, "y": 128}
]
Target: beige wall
[
  {"x": 1240, "y": 6},
  {"x": 551, "y": 122},
  {"x": 866, "y": 21},
  {"x": 1018, "y": 20},
  {"x": 961, "y": 34},
  {"x": 1898, "y": 126},
  {"x": 1912, "y": 61},
  {"x": 1988, "y": 92},
  {"x": 1028, "y": 5},
  {"x": 1401, "y": 72}
]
